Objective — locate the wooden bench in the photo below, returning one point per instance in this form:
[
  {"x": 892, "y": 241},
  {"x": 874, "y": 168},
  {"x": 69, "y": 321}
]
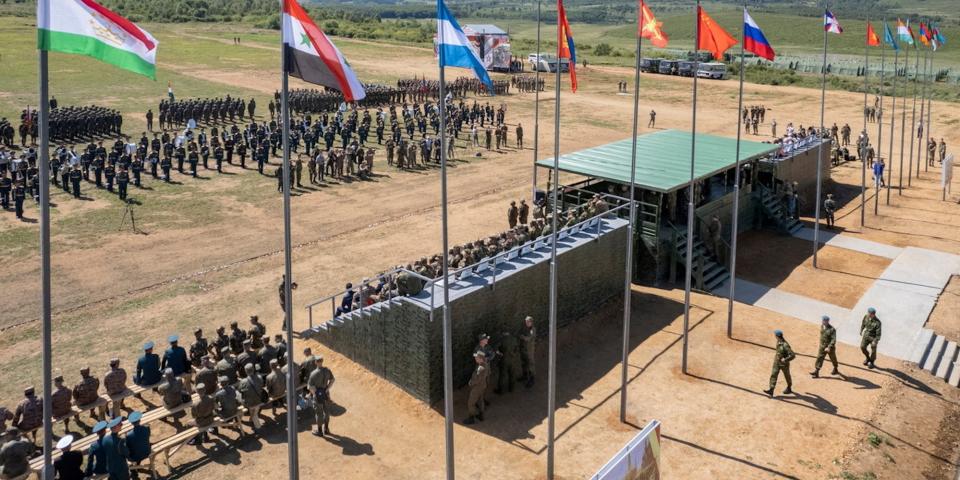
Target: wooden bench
[{"x": 172, "y": 444}]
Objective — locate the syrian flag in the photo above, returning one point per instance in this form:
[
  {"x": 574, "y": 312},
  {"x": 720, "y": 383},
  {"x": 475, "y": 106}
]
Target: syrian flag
[
  {"x": 313, "y": 58},
  {"x": 85, "y": 27}
]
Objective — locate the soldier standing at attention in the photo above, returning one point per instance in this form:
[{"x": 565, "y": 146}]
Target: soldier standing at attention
[
  {"x": 870, "y": 330},
  {"x": 781, "y": 363},
  {"x": 519, "y": 136},
  {"x": 19, "y": 195},
  {"x": 524, "y": 212},
  {"x": 512, "y": 214},
  {"x": 528, "y": 337},
  {"x": 148, "y": 367},
  {"x": 75, "y": 176},
  {"x": 828, "y": 346},
  {"x": 653, "y": 119},
  {"x": 510, "y": 364},
  {"x": 319, "y": 384},
  {"x": 829, "y": 209},
  {"x": 476, "y": 403},
  {"x": 298, "y": 170},
  {"x": 123, "y": 179},
  {"x": 283, "y": 297}
]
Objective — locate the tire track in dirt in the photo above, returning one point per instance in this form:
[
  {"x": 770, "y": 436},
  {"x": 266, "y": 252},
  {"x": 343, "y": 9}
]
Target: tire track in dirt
[{"x": 246, "y": 260}]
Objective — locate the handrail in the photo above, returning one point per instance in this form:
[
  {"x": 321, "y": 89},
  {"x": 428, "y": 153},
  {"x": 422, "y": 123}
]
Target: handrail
[{"x": 361, "y": 283}]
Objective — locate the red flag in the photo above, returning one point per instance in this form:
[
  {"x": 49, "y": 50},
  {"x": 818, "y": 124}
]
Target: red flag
[
  {"x": 650, "y": 28},
  {"x": 711, "y": 36},
  {"x": 872, "y": 39},
  {"x": 565, "y": 46}
]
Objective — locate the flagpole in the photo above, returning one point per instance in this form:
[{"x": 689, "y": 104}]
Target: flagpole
[
  {"x": 628, "y": 280},
  {"x": 47, "y": 337},
  {"x": 903, "y": 117},
  {"x": 863, "y": 159},
  {"x": 893, "y": 118},
  {"x": 448, "y": 411},
  {"x": 930, "y": 100},
  {"x": 536, "y": 106},
  {"x": 876, "y": 179},
  {"x": 923, "y": 112},
  {"x": 736, "y": 189},
  {"x": 293, "y": 461},
  {"x": 913, "y": 121},
  {"x": 823, "y": 99},
  {"x": 690, "y": 198}
]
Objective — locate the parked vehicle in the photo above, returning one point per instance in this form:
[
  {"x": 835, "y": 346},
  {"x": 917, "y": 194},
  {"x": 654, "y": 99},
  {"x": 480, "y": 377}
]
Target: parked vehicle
[
  {"x": 668, "y": 67},
  {"x": 650, "y": 65},
  {"x": 547, "y": 63},
  {"x": 715, "y": 71},
  {"x": 685, "y": 68}
]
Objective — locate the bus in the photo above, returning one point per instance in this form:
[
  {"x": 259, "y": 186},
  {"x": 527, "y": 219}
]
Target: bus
[
  {"x": 668, "y": 67},
  {"x": 715, "y": 71},
  {"x": 650, "y": 65}
]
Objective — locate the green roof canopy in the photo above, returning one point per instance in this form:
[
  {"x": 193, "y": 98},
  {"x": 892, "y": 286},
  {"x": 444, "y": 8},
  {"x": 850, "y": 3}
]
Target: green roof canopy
[{"x": 663, "y": 159}]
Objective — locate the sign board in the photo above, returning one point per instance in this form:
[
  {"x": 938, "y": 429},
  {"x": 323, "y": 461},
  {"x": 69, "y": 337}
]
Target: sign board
[{"x": 638, "y": 460}]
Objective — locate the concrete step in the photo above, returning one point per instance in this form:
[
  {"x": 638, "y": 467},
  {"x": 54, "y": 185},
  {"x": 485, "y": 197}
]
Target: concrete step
[
  {"x": 946, "y": 362},
  {"x": 955, "y": 375},
  {"x": 716, "y": 282},
  {"x": 921, "y": 347},
  {"x": 936, "y": 353}
]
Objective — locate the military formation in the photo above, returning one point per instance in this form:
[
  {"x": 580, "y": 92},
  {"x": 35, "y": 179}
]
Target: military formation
[
  {"x": 303, "y": 101},
  {"x": 67, "y": 124},
  {"x": 236, "y": 371},
  {"x": 174, "y": 114},
  {"x": 752, "y": 117},
  {"x": 870, "y": 332},
  {"x": 527, "y": 83}
]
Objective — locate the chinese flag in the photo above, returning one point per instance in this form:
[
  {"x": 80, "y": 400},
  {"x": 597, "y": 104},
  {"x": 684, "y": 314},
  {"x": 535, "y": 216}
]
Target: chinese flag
[
  {"x": 650, "y": 28},
  {"x": 872, "y": 39},
  {"x": 711, "y": 36}
]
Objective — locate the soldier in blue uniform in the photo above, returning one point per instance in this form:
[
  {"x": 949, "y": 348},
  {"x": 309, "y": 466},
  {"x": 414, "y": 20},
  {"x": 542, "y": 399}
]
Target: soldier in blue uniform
[
  {"x": 116, "y": 451},
  {"x": 96, "y": 455},
  {"x": 148, "y": 367},
  {"x": 176, "y": 359},
  {"x": 138, "y": 439}
]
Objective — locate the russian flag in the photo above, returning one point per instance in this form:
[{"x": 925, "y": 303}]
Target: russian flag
[{"x": 753, "y": 39}]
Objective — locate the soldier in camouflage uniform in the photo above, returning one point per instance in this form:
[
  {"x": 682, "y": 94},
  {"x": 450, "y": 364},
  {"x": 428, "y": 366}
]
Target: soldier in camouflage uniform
[
  {"x": 782, "y": 357},
  {"x": 29, "y": 414},
  {"x": 870, "y": 330},
  {"x": 115, "y": 382},
  {"x": 528, "y": 337},
  {"x": 828, "y": 346},
  {"x": 87, "y": 391},
  {"x": 476, "y": 403},
  {"x": 62, "y": 401},
  {"x": 319, "y": 383}
]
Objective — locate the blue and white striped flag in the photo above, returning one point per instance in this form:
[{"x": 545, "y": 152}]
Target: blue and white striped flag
[{"x": 453, "y": 47}]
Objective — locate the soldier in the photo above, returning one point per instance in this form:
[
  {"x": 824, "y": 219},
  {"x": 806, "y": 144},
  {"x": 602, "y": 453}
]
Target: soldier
[
  {"x": 250, "y": 393},
  {"x": 19, "y": 195},
  {"x": 237, "y": 336},
  {"x": 319, "y": 384},
  {"x": 172, "y": 390},
  {"x": 653, "y": 119},
  {"x": 203, "y": 412},
  {"x": 312, "y": 170},
  {"x": 138, "y": 439},
  {"x": 115, "y": 382},
  {"x": 6, "y": 184},
  {"x": 276, "y": 385},
  {"x": 247, "y": 357},
  {"x": 524, "y": 211},
  {"x": 519, "y": 132},
  {"x": 226, "y": 397},
  {"x": 829, "y": 209},
  {"x": 283, "y": 297},
  {"x": 96, "y": 455},
  {"x": 28, "y": 416},
  {"x": 476, "y": 403},
  {"x": 62, "y": 402},
  {"x": 176, "y": 359},
  {"x": 828, "y": 346},
  {"x": 870, "y": 330},
  {"x": 298, "y": 170},
  {"x": 714, "y": 233},
  {"x": 69, "y": 465},
  {"x": 222, "y": 341},
  {"x": 942, "y": 149},
  {"x": 75, "y": 175},
  {"x": 266, "y": 353},
  {"x": 510, "y": 364},
  {"x": 308, "y": 365},
  {"x": 227, "y": 367},
  {"x": 149, "y": 120},
  {"x": 782, "y": 357},
  {"x": 199, "y": 350},
  {"x": 218, "y": 157},
  {"x": 148, "y": 367},
  {"x": 15, "y": 454},
  {"x": 123, "y": 179},
  {"x": 512, "y": 214},
  {"x": 528, "y": 337},
  {"x": 87, "y": 392},
  {"x": 116, "y": 451}
]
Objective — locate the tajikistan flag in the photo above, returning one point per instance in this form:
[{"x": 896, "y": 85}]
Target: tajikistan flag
[
  {"x": 87, "y": 28},
  {"x": 312, "y": 57}
]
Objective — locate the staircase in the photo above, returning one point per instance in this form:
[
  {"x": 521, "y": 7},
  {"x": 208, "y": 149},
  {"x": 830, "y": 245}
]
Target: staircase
[
  {"x": 773, "y": 210},
  {"x": 714, "y": 274},
  {"x": 939, "y": 357}
]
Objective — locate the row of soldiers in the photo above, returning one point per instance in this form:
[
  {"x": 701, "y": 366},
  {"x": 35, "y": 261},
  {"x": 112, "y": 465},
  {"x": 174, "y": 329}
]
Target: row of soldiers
[
  {"x": 67, "y": 124},
  {"x": 206, "y": 111},
  {"x": 527, "y": 83},
  {"x": 302, "y": 100},
  {"x": 754, "y": 113}
]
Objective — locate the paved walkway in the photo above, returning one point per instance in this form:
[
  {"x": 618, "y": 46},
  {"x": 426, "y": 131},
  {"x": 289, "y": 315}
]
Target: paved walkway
[{"x": 904, "y": 295}]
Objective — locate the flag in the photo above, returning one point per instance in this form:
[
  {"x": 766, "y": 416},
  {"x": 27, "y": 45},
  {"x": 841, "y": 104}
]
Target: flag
[
  {"x": 942, "y": 40},
  {"x": 753, "y": 39},
  {"x": 312, "y": 57},
  {"x": 888, "y": 37},
  {"x": 711, "y": 36},
  {"x": 650, "y": 28},
  {"x": 85, "y": 27},
  {"x": 925, "y": 36},
  {"x": 872, "y": 39},
  {"x": 831, "y": 24},
  {"x": 904, "y": 32},
  {"x": 453, "y": 48},
  {"x": 565, "y": 44}
]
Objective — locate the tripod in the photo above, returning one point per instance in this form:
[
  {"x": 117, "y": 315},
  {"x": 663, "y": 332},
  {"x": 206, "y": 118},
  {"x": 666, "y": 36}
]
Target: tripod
[{"x": 128, "y": 213}]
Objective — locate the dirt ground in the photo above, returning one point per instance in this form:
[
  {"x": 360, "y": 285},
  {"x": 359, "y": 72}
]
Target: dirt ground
[
  {"x": 209, "y": 270},
  {"x": 943, "y": 319}
]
